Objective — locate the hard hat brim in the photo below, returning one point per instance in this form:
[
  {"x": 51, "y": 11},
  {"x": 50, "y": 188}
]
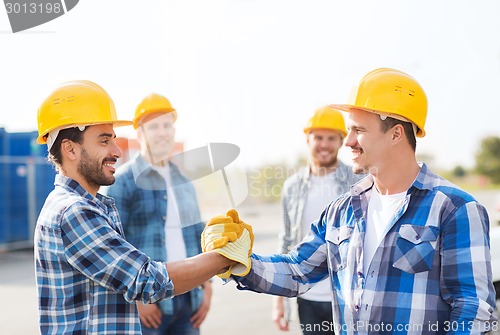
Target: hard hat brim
[
  {"x": 341, "y": 132},
  {"x": 137, "y": 120},
  {"x": 42, "y": 139},
  {"x": 348, "y": 108}
]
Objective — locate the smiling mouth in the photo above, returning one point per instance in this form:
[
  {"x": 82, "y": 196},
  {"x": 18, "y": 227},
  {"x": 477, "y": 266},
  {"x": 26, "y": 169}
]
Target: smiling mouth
[
  {"x": 324, "y": 153},
  {"x": 356, "y": 151},
  {"x": 109, "y": 163}
]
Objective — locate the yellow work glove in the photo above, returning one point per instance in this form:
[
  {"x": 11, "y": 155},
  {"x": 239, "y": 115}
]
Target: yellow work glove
[
  {"x": 232, "y": 238},
  {"x": 219, "y": 231}
]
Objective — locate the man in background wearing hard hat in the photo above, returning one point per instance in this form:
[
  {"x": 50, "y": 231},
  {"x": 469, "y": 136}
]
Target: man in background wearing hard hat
[
  {"x": 305, "y": 194},
  {"x": 88, "y": 276},
  {"x": 406, "y": 252},
  {"x": 160, "y": 215}
]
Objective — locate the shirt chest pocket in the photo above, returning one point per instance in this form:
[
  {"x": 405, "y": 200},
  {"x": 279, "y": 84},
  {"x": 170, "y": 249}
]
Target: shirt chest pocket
[
  {"x": 415, "y": 248},
  {"x": 337, "y": 243}
]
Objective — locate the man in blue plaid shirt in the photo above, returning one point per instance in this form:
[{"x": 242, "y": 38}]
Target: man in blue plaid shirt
[
  {"x": 160, "y": 215},
  {"x": 88, "y": 276},
  {"x": 406, "y": 252}
]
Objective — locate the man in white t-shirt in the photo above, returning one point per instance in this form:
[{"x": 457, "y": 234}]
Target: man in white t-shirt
[
  {"x": 416, "y": 264},
  {"x": 160, "y": 215},
  {"x": 305, "y": 195}
]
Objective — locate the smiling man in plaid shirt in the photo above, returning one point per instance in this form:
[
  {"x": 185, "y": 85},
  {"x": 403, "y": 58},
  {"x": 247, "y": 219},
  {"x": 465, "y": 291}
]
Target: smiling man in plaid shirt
[
  {"x": 406, "y": 251},
  {"x": 88, "y": 276},
  {"x": 160, "y": 215}
]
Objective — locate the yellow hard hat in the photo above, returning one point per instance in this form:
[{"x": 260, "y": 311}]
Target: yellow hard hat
[
  {"x": 76, "y": 103},
  {"x": 391, "y": 93},
  {"x": 326, "y": 118},
  {"x": 153, "y": 103}
]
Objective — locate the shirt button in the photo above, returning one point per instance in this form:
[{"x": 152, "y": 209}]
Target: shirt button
[
  {"x": 164, "y": 218},
  {"x": 356, "y": 307},
  {"x": 165, "y": 197},
  {"x": 417, "y": 236}
]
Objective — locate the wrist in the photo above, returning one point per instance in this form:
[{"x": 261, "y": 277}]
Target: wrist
[{"x": 223, "y": 262}]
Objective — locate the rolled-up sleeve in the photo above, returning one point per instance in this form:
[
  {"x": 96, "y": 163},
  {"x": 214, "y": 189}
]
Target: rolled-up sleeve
[{"x": 293, "y": 273}]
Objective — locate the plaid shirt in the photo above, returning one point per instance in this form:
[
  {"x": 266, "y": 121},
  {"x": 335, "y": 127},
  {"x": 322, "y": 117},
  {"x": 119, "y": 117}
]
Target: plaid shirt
[
  {"x": 431, "y": 273},
  {"x": 88, "y": 275},
  {"x": 294, "y": 197},
  {"x": 141, "y": 198}
]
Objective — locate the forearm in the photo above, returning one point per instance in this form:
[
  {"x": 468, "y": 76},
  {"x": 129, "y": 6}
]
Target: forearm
[
  {"x": 282, "y": 281},
  {"x": 289, "y": 274},
  {"x": 194, "y": 271}
]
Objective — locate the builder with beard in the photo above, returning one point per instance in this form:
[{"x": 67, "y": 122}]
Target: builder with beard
[{"x": 89, "y": 277}]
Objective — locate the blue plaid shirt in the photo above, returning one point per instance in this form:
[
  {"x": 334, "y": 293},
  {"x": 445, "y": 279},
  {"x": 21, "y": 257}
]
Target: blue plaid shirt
[
  {"x": 431, "y": 273},
  {"x": 88, "y": 275},
  {"x": 141, "y": 198},
  {"x": 294, "y": 197}
]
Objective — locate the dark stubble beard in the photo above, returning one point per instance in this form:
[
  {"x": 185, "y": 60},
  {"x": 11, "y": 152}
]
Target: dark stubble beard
[{"x": 92, "y": 171}]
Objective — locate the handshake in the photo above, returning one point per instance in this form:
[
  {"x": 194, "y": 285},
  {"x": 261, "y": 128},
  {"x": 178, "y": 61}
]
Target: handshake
[{"x": 232, "y": 238}]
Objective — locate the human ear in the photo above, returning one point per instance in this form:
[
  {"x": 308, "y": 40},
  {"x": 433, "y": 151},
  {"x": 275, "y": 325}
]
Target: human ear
[
  {"x": 397, "y": 132},
  {"x": 68, "y": 149}
]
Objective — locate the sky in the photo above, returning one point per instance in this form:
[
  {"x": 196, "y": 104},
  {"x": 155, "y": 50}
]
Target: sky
[{"x": 252, "y": 72}]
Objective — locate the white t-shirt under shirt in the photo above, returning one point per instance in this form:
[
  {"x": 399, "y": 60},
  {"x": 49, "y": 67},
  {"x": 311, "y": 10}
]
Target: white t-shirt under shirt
[
  {"x": 381, "y": 211},
  {"x": 174, "y": 241},
  {"x": 323, "y": 190}
]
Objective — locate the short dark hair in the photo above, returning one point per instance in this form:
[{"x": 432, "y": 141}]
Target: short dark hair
[
  {"x": 72, "y": 134},
  {"x": 390, "y": 122}
]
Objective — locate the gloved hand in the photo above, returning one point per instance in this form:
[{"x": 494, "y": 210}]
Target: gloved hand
[
  {"x": 232, "y": 238},
  {"x": 219, "y": 231}
]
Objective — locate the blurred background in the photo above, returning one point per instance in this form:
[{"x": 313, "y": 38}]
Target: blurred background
[{"x": 248, "y": 73}]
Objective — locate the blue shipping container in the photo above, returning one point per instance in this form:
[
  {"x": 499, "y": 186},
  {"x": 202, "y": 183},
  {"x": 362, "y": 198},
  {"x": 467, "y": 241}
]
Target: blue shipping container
[{"x": 27, "y": 178}]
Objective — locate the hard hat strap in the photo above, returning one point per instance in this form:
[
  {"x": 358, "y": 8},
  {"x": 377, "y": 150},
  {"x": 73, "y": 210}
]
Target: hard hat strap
[{"x": 384, "y": 116}]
